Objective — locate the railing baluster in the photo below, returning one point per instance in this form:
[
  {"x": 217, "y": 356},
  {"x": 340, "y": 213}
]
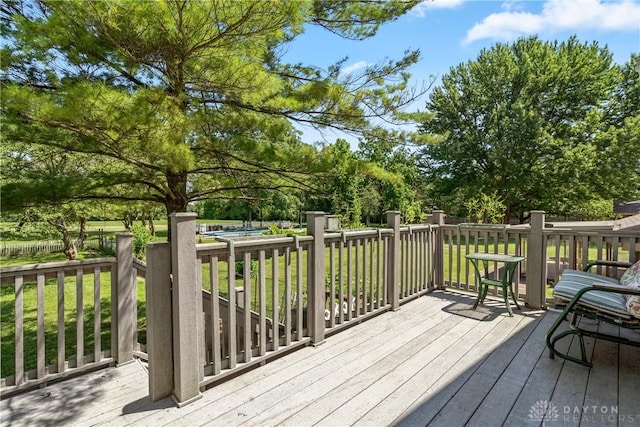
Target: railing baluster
[
  {"x": 341, "y": 271},
  {"x": 357, "y": 278},
  {"x": 41, "y": 353},
  {"x": 232, "y": 311},
  {"x": 214, "y": 326},
  {"x": 379, "y": 280},
  {"x": 79, "y": 319},
  {"x": 299, "y": 300},
  {"x": 247, "y": 306},
  {"x": 422, "y": 285},
  {"x": 332, "y": 285},
  {"x": 467, "y": 237},
  {"x": 585, "y": 250},
  {"x": 417, "y": 285},
  {"x": 275, "y": 298},
  {"x": 97, "y": 316},
  {"x": 349, "y": 280},
  {"x": 19, "y": 329},
  {"x": 454, "y": 274},
  {"x": 60, "y": 329},
  {"x": 365, "y": 275},
  {"x": 287, "y": 296},
  {"x": 407, "y": 265},
  {"x": 262, "y": 280},
  {"x": 371, "y": 277}
]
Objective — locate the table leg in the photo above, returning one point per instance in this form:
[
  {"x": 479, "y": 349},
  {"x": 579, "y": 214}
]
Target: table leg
[
  {"x": 510, "y": 276},
  {"x": 479, "y": 298},
  {"x": 515, "y": 300},
  {"x": 505, "y": 295}
]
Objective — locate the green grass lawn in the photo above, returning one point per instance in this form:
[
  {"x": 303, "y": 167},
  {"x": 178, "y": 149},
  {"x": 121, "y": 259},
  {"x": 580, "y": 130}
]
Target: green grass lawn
[
  {"x": 7, "y": 301},
  {"x": 7, "y": 296},
  {"x": 7, "y": 319}
]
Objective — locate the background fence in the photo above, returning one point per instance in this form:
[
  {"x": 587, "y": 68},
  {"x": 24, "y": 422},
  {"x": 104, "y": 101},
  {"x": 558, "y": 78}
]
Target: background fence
[{"x": 52, "y": 246}]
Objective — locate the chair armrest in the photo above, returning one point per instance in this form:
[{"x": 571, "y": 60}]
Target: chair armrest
[
  {"x": 620, "y": 264},
  {"x": 607, "y": 287}
]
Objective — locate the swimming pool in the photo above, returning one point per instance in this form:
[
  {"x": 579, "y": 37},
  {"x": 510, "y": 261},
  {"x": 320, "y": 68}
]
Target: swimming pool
[{"x": 240, "y": 233}]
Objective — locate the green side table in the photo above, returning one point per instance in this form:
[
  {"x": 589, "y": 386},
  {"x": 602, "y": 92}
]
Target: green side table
[{"x": 510, "y": 262}]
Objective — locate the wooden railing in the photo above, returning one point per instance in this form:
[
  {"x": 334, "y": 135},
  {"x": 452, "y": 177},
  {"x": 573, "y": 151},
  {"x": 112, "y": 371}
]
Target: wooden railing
[
  {"x": 463, "y": 239},
  {"x": 548, "y": 251},
  {"x": 239, "y": 303},
  {"x": 64, "y": 318},
  {"x": 264, "y": 296},
  {"x": 566, "y": 248}
]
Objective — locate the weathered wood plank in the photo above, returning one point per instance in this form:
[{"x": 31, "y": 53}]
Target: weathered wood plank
[
  {"x": 292, "y": 396},
  {"x": 285, "y": 383},
  {"x": 497, "y": 404},
  {"x": 502, "y": 344},
  {"x": 76, "y": 399},
  {"x": 540, "y": 383},
  {"x": 438, "y": 375},
  {"x": 629, "y": 379},
  {"x": 438, "y": 356},
  {"x": 571, "y": 385},
  {"x": 419, "y": 361},
  {"x": 601, "y": 396}
]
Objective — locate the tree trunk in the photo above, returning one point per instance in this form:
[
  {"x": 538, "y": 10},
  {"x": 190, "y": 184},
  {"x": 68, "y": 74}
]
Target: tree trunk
[
  {"x": 152, "y": 226},
  {"x": 176, "y": 199},
  {"x": 83, "y": 232},
  {"x": 69, "y": 247},
  {"x": 127, "y": 220}
]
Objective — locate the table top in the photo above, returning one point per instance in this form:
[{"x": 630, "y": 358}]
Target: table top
[{"x": 481, "y": 256}]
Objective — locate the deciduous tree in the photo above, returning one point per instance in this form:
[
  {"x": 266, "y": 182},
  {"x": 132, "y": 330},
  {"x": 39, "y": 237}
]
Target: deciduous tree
[{"x": 541, "y": 125}]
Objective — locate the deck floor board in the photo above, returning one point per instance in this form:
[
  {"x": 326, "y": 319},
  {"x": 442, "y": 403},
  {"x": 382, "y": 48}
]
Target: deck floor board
[{"x": 426, "y": 364}]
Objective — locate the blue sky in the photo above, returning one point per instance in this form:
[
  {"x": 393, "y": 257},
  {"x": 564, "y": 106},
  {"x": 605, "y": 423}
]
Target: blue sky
[{"x": 448, "y": 32}]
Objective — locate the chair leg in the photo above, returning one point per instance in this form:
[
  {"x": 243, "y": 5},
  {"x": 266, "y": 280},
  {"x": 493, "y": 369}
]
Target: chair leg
[{"x": 552, "y": 340}]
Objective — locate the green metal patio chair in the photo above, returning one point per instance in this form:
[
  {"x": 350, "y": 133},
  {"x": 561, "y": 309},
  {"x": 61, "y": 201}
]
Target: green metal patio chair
[{"x": 598, "y": 297}]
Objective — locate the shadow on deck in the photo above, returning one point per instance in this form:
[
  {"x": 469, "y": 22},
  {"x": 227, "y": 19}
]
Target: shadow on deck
[{"x": 433, "y": 362}]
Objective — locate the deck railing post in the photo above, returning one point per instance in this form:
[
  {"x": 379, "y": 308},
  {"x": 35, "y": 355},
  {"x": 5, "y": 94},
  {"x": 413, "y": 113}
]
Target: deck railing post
[
  {"x": 185, "y": 293},
  {"x": 123, "y": 302},
  {"x": 535, "y": 296},
  {"x": 438, "y": 251},
  {"x": 316, "y": 279},
  {"x": 159, "y": 333},
  {"x": 393, "y": 260}
]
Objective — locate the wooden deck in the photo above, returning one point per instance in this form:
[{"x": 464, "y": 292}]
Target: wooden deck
[{"x": 426, "y": 364}]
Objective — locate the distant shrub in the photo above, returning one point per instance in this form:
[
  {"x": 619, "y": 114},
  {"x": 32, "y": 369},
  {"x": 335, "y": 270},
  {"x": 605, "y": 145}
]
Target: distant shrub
[{"x": 141, "y": 236}]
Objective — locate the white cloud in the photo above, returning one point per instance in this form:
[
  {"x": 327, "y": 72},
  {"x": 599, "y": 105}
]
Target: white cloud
[
  {"x": 353, "y": 67},
  {"x": 513, "y": 5},
  {"x": 421, "y": 9},
  {"x": 559, "y": 15}
]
